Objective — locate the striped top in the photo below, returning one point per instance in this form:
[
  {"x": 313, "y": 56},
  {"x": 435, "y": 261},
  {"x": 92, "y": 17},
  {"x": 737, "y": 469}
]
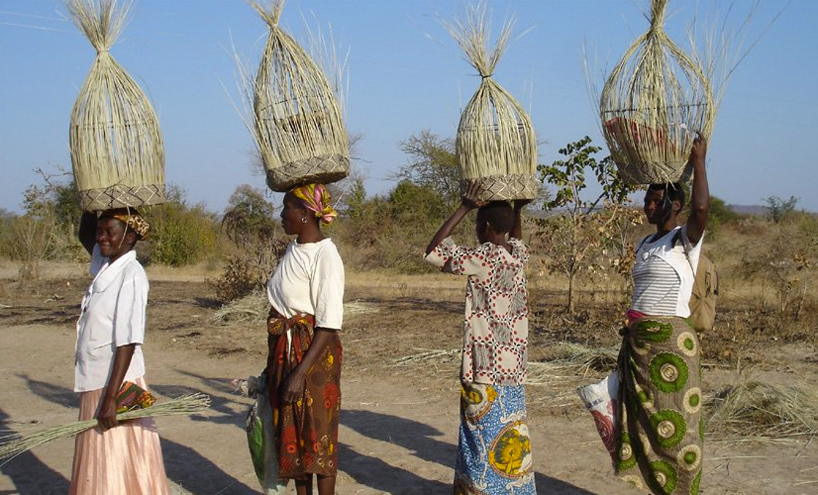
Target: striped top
[{"x": 663, "y": 275}]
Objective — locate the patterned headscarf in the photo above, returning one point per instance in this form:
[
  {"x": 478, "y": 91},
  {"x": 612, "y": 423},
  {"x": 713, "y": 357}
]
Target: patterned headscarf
[
  {"x": 315, "y": 198},
  {"x": 132, "y": 219}
]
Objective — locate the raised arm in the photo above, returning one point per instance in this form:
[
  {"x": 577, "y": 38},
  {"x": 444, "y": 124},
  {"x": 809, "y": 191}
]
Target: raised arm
[
  {"x": 700, "y": 192},
  {"x": 468, "y": 203},
  {"x": 517, "y": 229},
  {"x": 88, "y": 231}
]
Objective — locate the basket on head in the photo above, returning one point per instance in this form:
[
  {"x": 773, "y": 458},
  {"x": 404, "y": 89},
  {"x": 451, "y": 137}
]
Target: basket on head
[
  {"x": 298, "y": 125},
  {"x": 496, "y": 145},
  {"x": 652, "y": 105},
  {"x": 117, "y": 154}
]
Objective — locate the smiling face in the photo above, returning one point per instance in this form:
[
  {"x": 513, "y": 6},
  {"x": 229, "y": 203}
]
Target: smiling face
[{"x": 114, "y": 238}]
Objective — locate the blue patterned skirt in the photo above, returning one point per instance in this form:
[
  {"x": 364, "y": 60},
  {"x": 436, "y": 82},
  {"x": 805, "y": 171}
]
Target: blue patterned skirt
[{"x": 494, "y": 449}]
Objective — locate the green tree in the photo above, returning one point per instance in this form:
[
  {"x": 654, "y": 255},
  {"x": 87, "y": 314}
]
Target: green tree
[
  {"x": 582, "y": 227},
  {"x": 432, "y": 165},
  {"x": 778, "y": 209},
  {"x": 181, "y": 234}
]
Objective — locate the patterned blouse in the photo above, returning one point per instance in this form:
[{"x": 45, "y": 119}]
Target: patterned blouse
[{"x": 495, "y": 336}]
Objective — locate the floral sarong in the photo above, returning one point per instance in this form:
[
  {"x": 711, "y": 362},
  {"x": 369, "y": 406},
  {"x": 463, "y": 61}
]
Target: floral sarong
[
  {"x": 661, "y": 428},
  {"x": 306, "y": 431},
  {"x": 494, "y": 449}
]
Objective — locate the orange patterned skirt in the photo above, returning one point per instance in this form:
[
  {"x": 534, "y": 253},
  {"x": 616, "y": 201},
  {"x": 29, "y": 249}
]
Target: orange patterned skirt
[{"x": 306, "y": 431}]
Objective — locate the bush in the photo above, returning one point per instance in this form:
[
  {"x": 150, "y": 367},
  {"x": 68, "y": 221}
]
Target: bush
[
  {"x": 181, "y": 234},
  {"x": 257, "y": 242}
]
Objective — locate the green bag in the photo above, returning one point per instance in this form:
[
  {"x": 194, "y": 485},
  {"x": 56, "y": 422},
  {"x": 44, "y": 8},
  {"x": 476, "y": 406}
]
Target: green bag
[{"x": 261, "y": 439}]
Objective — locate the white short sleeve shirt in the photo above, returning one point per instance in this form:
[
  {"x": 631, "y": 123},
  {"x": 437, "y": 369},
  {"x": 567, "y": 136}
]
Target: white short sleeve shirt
[
  {"x": 113, "y": 315},
  {"x": 309, "y": 279}
]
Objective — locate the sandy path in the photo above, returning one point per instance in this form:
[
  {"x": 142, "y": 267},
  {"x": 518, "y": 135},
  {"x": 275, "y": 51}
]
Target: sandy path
[{"x": 398, "y": 436}]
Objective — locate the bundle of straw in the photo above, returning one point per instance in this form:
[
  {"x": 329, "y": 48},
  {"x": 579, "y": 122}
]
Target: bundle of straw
[
  {"x": 117, "y": 152},
  {"x": 496, "y": 146},
  {"x": 18, "y": 444},
  {"x": 761, "y": 409},
  {"x": 652, "y": 105},
  {"x": 298, "y": 125}
]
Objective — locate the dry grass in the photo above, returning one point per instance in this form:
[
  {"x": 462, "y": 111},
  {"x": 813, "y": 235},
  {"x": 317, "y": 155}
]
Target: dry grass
[{"x": 758, "y": 409}]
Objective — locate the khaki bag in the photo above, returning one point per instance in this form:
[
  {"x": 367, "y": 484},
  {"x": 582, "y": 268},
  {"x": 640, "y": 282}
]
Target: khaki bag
[{"x": 702, "y": 302}]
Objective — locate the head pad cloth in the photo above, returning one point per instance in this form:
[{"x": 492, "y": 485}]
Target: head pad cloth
[
  {"x": 315, "y": 198},
  {"x": 132, "y": 219}
]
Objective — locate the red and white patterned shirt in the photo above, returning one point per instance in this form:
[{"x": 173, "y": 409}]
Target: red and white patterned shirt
[{"x": 495, "y": 336}]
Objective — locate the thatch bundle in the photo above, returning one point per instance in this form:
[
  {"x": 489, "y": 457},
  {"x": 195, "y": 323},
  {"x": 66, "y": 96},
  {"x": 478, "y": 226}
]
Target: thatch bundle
[
  {"x": 117, "y": 152},
  {"x": 298, "y": 125},
  {"x": 652, "y": 105},
  {"x": 496, "y": 145}
]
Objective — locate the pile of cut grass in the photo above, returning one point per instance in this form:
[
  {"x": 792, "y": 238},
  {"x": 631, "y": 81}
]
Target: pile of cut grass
[{"x": 758, "y": 409}]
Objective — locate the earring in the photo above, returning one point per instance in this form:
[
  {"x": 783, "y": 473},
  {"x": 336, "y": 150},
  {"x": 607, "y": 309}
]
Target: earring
[{"x": 303, "y": 219}]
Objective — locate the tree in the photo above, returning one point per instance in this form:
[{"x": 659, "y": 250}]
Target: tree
[
  {"x": 778, "y": 208},
  {"x": 432, "y": 164},
  {"x": 582, "y": 227}
]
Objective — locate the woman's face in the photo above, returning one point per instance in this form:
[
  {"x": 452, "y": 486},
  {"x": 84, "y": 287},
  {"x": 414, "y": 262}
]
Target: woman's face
[
  {"x": 655, "y": 207},
  {"x": 112, "y": 237},
  {"x": 292, "y": 214}
]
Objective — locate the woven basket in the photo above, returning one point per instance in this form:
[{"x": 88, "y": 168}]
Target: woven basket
[
  {"x": 503, "y": 187},
  {"x": 298, "y": 124},
  {"x": 496, "y": 145},
  {"x": 320, "y": 169},
  {"x": 119, "y": 196},
  {"x": 652, "y": 105},
  {"x": 117, "y": 153}
]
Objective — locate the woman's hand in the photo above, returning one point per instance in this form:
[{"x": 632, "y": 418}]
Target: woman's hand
[
  {"x": 107, "y": 412},
  {"x": 293, "y": 388},
  {"x": 470, "y": 198},
  {"x": 699, "y": 151}
]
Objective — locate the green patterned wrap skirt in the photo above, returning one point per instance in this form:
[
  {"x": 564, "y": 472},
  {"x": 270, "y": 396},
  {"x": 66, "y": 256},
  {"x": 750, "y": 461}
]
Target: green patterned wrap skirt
[{"x": 661, "y": 430}]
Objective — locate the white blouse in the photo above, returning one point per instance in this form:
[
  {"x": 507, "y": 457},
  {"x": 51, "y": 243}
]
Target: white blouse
[
  {"x": 663, "y": 274},
  {"x": 309, "y": 279},
  {"x": 113, "y": 315}
]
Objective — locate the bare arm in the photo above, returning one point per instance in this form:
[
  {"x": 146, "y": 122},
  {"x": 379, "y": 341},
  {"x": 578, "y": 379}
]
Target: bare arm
[
  {"x": 293, "y": 388},
  {"x": 468, "y": 203},
  {"x": 517, "y": 229},
  {"x": 122, "y": 361},
  {"x": 700, "y": 193},
  {"x": 88, "y": 231}
]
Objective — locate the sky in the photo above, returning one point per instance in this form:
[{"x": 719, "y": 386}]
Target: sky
[{"x": 405, "y": 75}]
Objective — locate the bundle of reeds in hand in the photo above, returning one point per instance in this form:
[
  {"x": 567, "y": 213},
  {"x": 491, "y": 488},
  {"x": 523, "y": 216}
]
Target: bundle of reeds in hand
[
  {"x": 298, "y": 125},
  {"x": 117, "y": 153},
  {"x": 652, "y": 105},
  {"x": 13, "y": 445},
  {"x": 496, "y": 145}
]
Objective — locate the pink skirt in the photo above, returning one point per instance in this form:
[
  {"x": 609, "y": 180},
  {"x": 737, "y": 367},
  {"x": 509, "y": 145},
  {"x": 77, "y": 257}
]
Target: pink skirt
[{"x": 126, "y": 459}]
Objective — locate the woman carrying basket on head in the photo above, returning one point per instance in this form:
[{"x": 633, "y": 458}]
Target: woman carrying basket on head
[
  {"x": 661, "y": 429},
  {"x": 306, "y": 295},
  {"x": 125, "y": 457},
  {"x": 494, "y": 447}
]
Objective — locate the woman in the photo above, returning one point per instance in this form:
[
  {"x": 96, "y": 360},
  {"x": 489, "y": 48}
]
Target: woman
[
  {"x": 494, "y": 446},
  {"x": 306, "y": 295},
  {"x": 661, "y": 419},
  {"x": 127, "y": 457}
]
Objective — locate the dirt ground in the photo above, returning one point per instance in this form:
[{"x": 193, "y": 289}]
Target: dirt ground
[{"x": 400, "y": 393}]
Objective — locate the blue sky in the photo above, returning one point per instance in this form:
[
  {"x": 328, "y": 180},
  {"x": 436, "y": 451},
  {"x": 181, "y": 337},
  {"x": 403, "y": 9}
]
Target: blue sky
[{"x": 405, "y": 75}]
